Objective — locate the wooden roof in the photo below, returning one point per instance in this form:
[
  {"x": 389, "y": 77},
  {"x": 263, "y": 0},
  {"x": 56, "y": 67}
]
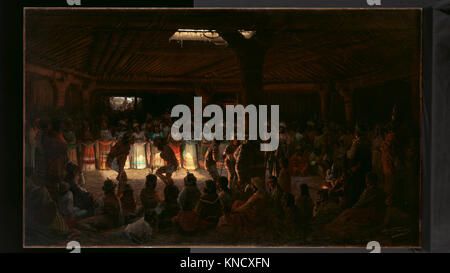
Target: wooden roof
[{"x": 130, "y": 47}]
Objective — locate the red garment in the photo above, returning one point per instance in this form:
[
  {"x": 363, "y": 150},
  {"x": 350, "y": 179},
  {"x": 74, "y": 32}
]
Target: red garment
[
  {"x": 111, "y": 208},
  {"x": 88, "y": 157},
  {"x": 298, "y": 165},
  {"x": 176, "y": 151},
  {"x": 311, "y": 135},
  {"x": 55, "y": 152},
  {"x": 246, "y": 221},
  {"x": 103, "y": 149},
  {"x": 61, "y": 137},
  {"x": 227, "y": 224},
  {"x": 188, "y": 220}
]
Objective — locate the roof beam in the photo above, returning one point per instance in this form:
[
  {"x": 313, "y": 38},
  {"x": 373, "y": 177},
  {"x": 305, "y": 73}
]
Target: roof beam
[{"x": 55, "y": 73}]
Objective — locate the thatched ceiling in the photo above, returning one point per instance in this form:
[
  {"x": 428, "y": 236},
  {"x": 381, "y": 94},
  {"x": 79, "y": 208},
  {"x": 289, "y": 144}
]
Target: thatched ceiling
[{"x": 311, "y": 46}]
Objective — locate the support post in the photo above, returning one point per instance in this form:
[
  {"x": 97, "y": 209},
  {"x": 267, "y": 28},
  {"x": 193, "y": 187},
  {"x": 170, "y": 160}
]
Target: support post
[
  {"x": 347, "y": 93},
  {"x": 323, "y": 93},
  {"x": 61, "y": 89}
]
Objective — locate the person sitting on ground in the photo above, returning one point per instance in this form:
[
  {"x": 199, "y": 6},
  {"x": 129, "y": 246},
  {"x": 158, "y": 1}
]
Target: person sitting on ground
[
  {"x": 149, "y": 197},
  {"x": 372, "y": 196},
  {"x": 65, "y": 203},
  {"x": 169, "y": 207},
  {"x": 111, "y": 216},
  {"x": 43, "y": 216},
  {"x": 276, "y": 194},
  {"x": 290, "y": 211},
  {"x": 128, "y": 202},
  {"x": 142, "y": 230},
  {"x": 82, "y": 199},
  {"x": 305, "y": 205},
  {"x": 225, "y": 193},
  {"x": 187, "y": 219},
  {"x": 208, "y": 207},
  {"x": 226, "y": 225},
  {"x": 253, "y": 212},
  {"x": 365, "y": 217},
  {"x": 326, "y": 209}
]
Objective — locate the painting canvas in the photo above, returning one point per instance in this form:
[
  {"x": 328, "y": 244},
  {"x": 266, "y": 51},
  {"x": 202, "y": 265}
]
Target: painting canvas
[{"x": 106, "y": 162}]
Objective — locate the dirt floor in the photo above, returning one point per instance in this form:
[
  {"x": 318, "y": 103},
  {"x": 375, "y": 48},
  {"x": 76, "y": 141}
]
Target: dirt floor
[
  {"x": 171, "y": 238},
  {"x": 136, "y": 178}
]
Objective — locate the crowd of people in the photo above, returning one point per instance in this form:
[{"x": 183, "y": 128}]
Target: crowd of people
[{"x": 370, "y": 180}]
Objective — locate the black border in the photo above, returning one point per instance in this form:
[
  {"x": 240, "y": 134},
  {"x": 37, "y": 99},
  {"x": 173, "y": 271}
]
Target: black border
[{"x": 435, "y": 94}]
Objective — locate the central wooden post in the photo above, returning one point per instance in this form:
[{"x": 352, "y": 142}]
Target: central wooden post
[{"x": 250, "y": 53}]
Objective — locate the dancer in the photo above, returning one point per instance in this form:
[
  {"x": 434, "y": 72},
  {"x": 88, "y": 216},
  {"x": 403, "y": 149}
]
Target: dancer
[
  {"x": 211, "y": 158},
  {"x": 169, "y": 157},
  {"x": 118, "y": 156}
]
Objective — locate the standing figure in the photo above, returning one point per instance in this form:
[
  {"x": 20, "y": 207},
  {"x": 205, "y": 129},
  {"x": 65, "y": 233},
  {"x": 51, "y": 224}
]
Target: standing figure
[
  {"x": 55, "y": 154},
  {"x": 389, "y": 160},
  {"x": 155, "y": 155},
  {"x": 55, "y": 150},
  {"x": 103, "y": 146},
  {"x": 148, "y": 129},
  {"x": 118, "y": 156},
  {"x": 119, "y": 134},
  {"x": 270, "y": 162},
  {"x": 148, "y": 123},
  {"x": 377, "y": 140},
  {"x": 156, "y": 131},
  {"x": 249, "y": 162},
  {"x": 40, "y": 160},
  {"x": 359, "y": 158},
  {"x": 168, "y": 156},
  {"x": 282, "y": 151},
  {"x": 88, "y": 150},
  {"x": 284, "y": 180},
  {"x": 71, "y": 139},
  {"x": 230, "y": 161},
  {"x": 189, "y": 155},
  {"x": 32, "y": 133},
  {"x": 211, "y": 158},
  {"x": 138, "y": 156}
]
